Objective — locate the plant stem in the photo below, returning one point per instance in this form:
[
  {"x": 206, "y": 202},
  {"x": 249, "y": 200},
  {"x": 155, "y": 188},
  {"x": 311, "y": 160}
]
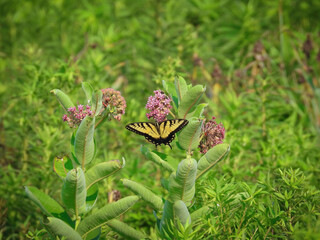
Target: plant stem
[
  {"x": 101, "y": 120},
  {"x": 171, "y": 113},
  {"x": 78, "y": 219},
  {"x": 241, "y": 221},
  {"x": 254, "y": 233},
  {"x": 202, "y": 135},
  {"x": 267, "y": 233}
]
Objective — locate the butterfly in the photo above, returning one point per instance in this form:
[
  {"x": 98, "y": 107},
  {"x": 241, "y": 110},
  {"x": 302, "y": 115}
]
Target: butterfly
[{"x": 158, "y": 133}]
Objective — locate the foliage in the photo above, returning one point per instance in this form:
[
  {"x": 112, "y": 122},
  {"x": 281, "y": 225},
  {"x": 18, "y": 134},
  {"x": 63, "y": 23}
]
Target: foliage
[
  {"x": 181, "y": 183},
  {"x": 79, "y": 191}
]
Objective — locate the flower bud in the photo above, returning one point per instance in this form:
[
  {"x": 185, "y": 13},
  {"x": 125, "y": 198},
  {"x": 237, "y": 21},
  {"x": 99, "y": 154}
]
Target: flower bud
[
  {"x": 113, "y": 102},
  {"x": 212, "y": 135}
]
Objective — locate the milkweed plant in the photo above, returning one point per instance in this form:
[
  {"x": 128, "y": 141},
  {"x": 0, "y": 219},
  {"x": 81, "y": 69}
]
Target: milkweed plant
[
  {"x": 80, "y": 175},
  {"x": 173, "y": 217}
]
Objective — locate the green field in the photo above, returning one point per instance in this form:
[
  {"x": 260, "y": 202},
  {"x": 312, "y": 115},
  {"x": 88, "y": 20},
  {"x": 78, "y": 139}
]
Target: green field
[{"x": 259, "y": 62}]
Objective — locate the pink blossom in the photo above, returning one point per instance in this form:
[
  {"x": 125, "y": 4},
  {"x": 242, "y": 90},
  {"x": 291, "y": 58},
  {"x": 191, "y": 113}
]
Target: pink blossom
[
  {"x": 114, "y": 103},
  {"x": 212, "y": 135},
  {"x": 76, "y": 115},
  {"x": 80, "y": 107},
  {"x": 159, "y": 106}
]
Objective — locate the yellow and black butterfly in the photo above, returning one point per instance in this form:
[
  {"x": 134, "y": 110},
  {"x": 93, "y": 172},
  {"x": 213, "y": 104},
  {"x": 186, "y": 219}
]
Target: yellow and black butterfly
[{"x": 158, "y": 133}]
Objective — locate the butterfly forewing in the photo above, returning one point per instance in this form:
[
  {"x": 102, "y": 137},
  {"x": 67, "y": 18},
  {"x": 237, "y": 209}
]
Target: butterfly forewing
[{"x": 144, "y": 128}]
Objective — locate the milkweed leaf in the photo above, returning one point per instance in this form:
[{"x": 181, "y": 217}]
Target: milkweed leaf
[
  {"x": 144, "y": 193},
  {"x": 105, "y": 214},
  {"x": 125, "y": 230}
]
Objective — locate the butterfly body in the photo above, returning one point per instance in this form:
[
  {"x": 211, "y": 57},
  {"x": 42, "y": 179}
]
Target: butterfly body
[{"x": 158, "y": 133}]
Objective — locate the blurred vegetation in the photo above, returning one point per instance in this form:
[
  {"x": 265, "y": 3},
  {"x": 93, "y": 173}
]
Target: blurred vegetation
[{"x": 260, "y": 63}]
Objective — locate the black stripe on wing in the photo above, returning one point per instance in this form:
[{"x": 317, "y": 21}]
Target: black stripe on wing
[
  {"x": 158, "y": 141},
  {"x": 171, "y": 136},
  {"x": 146, "y": 135}
]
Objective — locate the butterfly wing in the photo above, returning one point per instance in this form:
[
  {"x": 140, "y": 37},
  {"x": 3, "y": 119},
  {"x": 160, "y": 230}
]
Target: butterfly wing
[
  {"x": 162, "y": 133},
  {"x": 146, "y": 129},
  {"x": 169, "y": 128}
]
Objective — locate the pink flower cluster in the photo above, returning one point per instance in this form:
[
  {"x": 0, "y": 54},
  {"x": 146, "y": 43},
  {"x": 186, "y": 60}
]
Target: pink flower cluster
[
  {"x": 159, "y": 106},
  {"x": 76, "y": 115},
  {"x": 114, "y": 102},
  {"x": 213, "y": 134}
]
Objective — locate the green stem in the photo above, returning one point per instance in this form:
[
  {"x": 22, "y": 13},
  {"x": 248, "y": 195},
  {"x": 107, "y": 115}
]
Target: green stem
[
  {"x": 101, "y": 120},
  {"x": 202, "y": 135},
  {"x": 171, "y": 113},
  {"x": 267, "y": 233},
  {"x": 78, "y": 220}
]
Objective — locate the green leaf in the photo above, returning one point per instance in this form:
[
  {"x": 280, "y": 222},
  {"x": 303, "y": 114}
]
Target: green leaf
[
  {"x": 74, "y": 191},
  {"x": 62, "y": 166},
  {"x": 170, "y": 88},
  {"x": 144, "y": 193},
  {"x": 84, "y": 143},
  {"x": 173, "y": 213},
  {"x": 156, "y": 159},
  {"x": 92, "y": 195},
  {"x": 189, "y": 136},
  {"x": 63, "y": 99},
  {"x": 174, "y": 162},
  {"x": 97, "y": 102},
  {"x": 189, "y": 101},
  {"x": 199, "y": 213},
  {"x": 94, "y": 235},
  {"x": 125, "y": 230},
  {"x": 181, "y": 183},
  {"x": 72, "y": 141},
  {"x": 102, "y": 171},
  {"x": 181, "y": 212},
  {"x": 167, "y": 217},
  {"x": 105, "y": 214},
  {"x": 198, "y": 112},
  {"x": 61, "y": 229},
  {"x": 100, "y": 119},
  {"x": 157, "y": 220},
  {"x": 48, "y": 205},
  {"x": 181, "y": 87},
  {"x": 88, "y": 90},
  {"x": 165, "y": 183},
  {"x": 212, "y": 157}
]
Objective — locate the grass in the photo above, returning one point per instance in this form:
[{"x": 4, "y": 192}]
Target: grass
[{"x": 262, "y": 84}]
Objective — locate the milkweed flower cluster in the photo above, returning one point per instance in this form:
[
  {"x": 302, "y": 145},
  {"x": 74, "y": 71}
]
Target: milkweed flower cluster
[
  {"x": 159, "y": 106},
  {"x": 75, "y": 115},
  {"x": 213, "y": 134},
  {"x": 114, "y": 103}
]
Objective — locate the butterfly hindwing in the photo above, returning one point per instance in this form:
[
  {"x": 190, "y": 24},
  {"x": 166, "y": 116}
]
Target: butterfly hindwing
[{"x": 158, "y": 133}]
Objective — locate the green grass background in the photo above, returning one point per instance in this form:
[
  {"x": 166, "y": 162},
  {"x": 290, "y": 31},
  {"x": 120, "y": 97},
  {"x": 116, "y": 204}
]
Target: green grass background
[{"x": 262, "y": 78}]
